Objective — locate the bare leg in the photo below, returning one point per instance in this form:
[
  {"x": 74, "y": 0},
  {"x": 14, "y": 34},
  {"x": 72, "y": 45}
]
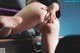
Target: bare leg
[
  {"x": 7, "y": 23},
  {"x": 50, "y": 37},
  {"x": 31, "y": 17}
]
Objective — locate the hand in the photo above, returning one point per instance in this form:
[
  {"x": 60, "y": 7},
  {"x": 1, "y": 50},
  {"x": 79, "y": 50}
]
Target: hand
[
  {"x": 52, "y": 9},
  {"x": 50, "y": 15},
  {"x": 9, "y": 22}
]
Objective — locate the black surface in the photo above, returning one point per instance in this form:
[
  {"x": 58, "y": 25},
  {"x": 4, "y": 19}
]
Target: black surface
[
  {"x": 20, "y": 46},
  {"x": 69, "y": 44},
  {"x": 13, "y": 4}
]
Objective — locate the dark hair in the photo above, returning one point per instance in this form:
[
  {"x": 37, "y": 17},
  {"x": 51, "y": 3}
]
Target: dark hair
[{"x": 47, "y": 2}]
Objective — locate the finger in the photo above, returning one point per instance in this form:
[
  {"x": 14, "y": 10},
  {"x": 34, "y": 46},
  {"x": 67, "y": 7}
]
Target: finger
[
  {"x": 51, "y": 18},
  {"x": 47, "y": 17},
  {"x": 48, "y": 14},
  {"x": 49, "y": 9}
]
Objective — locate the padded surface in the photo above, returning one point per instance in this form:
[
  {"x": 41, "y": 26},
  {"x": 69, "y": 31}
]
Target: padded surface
[
  {"x": 13, "y": 4},
  {"x": 18, "y": 46},
  {"x": 69, "y": 44}
]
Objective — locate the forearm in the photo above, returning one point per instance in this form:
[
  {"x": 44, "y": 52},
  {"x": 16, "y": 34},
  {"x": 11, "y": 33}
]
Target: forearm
[{"x": 49, "y": 42}]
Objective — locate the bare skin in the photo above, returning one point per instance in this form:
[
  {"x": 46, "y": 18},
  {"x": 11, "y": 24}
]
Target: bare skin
[
  {"x": 7, "y": 23},
  {"x": 50, "y": 36},
  {"x": 33, "y": 16}
]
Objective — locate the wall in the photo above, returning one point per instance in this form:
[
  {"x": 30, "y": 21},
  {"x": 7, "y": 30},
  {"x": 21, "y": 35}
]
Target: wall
[{"x": 70, "y": 17}]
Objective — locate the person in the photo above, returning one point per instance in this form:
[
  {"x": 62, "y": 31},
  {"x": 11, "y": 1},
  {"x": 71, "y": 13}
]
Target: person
[
  {"x": 38, "y": 16},
  {"x": 29, "y": 11}
]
